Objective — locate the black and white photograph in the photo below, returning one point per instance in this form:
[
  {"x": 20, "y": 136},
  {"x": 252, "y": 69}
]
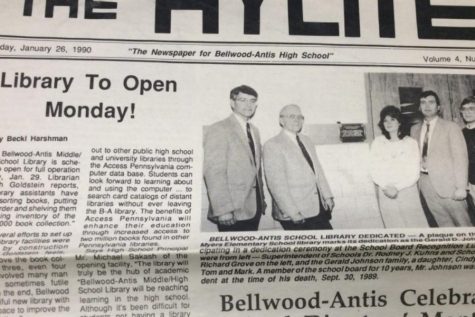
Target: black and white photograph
[
  {"x": 422, "y": 163},
  {"x": 390, "y": 169}
]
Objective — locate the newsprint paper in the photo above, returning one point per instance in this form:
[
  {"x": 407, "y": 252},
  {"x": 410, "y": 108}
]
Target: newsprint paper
[{"x": 284, "y": 158}]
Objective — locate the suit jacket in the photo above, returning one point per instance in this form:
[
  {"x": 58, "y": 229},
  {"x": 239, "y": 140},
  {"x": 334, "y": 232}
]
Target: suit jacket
[
  {"x": 229, "y": 171},
  {"x": 293, "y": 185},
  {"x": 447, "y": 158}
]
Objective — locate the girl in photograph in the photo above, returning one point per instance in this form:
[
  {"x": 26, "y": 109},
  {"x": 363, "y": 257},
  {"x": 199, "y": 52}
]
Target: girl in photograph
[{"x": 395, "y": 169}]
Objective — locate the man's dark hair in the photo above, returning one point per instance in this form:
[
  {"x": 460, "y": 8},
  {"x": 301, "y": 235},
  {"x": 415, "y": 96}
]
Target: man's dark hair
[
  {"x": 242, "y": 89},
  {"x": 467, "y": 100},
  {"x": 428, "y": 93},
  {"x": 394, "y": 113}
]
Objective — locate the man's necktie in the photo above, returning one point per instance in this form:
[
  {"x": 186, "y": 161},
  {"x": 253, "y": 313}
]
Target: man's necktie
[
  {"x": 305, "y": 154},
  {"x": 425, "y": 144},
  {"x": 253, "y": 150},
  {"x": 251, "y": 141},
  {"x": 324, "y": 210}
]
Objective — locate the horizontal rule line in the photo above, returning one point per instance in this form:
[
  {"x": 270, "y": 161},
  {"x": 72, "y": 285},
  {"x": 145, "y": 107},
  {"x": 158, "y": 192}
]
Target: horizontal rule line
[
  {"x": 234, "y": 63},
  {"x": 95, "y": 40}
]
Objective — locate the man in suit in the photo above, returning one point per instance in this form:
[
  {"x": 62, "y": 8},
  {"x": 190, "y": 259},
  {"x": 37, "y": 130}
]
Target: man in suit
[
  {"x": 302, "y": 199},
  {"x": 444, "y": 164},
  {"x": 232, "y": 166},
  {"x": 467, "y": 109}
]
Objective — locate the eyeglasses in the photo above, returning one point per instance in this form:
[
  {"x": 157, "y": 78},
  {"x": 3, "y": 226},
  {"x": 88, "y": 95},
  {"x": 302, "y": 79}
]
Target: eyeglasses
[
  {"x": 293, "y": 117},
  {"x": 244, "y": 100},
  {"x": 468, "y": 109}
]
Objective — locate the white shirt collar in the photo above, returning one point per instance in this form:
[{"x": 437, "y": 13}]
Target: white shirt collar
[
  {"x": 291, "y": 135},
  {"x": 241, "y": 122},
  {"x": 470, "y": 126},
  {"x": 431, "y": 122}
]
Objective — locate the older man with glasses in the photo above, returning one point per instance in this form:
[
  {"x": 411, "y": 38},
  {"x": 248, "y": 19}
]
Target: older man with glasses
[{"x": 302, "y": 199}]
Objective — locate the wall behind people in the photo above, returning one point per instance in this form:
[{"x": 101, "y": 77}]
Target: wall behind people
[
  {"x": 320, "y": 93},
  {"x": 384, "y": 89}
]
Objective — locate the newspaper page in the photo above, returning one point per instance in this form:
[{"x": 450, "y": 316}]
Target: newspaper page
[{"x": 284, "y": 158}]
